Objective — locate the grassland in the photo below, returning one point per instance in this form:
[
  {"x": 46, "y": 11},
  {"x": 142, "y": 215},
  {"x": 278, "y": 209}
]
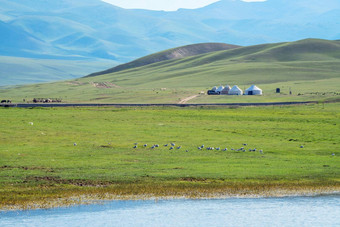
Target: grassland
[
  {"x": 41, "y": 167},
  {"x": 309, "y": 68}
]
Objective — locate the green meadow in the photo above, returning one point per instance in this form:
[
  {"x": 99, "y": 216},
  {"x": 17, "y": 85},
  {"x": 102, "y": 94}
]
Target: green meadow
[{"x": 88, "y": 153}]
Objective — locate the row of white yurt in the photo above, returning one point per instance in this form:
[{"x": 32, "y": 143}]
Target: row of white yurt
[{"x": 253, "y": 90}]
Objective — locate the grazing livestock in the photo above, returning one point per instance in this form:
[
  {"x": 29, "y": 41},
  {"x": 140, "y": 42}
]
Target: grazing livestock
[
  {"x": 225, "y": 149},
  {"x": 135, "y": 146},
  {"x": 31, "y": 123},
  {"x": 165, "y": 145},
  {"x": 172, "y": 144},
  {"x": 75, "y": 144},
  {"x": 179, "y": 147},
  {"x": 145, "y": 145},
  {"x": 301, "y": 146},
  {"x": 171, "y": 148}
]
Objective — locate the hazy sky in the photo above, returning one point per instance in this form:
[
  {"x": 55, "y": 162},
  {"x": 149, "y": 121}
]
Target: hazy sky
[{"x": 167, "y": 5}]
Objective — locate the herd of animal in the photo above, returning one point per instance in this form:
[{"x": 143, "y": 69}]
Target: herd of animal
[{"x": 173, "y": 146}]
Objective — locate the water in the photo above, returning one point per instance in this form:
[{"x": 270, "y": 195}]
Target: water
[{"x": 288, "y": 211}]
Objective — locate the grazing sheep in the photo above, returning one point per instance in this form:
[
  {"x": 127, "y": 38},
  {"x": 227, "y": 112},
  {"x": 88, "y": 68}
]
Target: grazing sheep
[
  {"x": 199, "y": 148},
  {"x": 74, "y": 144},
  {"x": 31, "y": 123},
  {"x": 135, "y": 146},
  {"x": 156, "y": 145},
  {"x": 225, "y": 149},
  {"x": 202, "y": 146},
  {"x": 171, "y": 148},
  {"x": 217, "y": 148},
  {"x": 301, "y": 146},
  {"x": 179, "y": 147},
  {"x": 145, "y": 145},
  {"x": 165, "y": 145},
  {"x": 172, "y": 144}
]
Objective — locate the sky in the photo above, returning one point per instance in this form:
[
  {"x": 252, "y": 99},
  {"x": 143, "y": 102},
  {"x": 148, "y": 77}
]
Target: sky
[{"x": 166, "y": 5}]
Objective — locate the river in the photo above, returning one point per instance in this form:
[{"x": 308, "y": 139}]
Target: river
[{"x": 286, "y": 211}]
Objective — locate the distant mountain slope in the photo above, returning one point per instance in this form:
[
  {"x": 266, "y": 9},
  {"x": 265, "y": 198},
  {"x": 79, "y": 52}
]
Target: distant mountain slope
[
  {"x": 93, "y": 30},
  {"x": 175, "y": 53},
  {"x": 30, "y": 71},
  {"x": 67, "y": 29}
]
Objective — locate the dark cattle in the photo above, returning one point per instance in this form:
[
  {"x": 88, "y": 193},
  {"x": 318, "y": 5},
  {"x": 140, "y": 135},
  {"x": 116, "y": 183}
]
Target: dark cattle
[
  {"x": 9, "y": 101},
  {"x": 3, "y": 101}
]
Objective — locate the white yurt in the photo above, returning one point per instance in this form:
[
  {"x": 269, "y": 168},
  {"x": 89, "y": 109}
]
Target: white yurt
[
  {"x": 235, "y": 91},
  {"x": 225, "y": 90},
  {"x": 219, "y": 89},
  {"x": 253, "y": 90}
]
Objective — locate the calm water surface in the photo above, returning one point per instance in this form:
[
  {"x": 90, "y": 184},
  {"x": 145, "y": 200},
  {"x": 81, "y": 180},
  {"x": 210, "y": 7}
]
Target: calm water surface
[{"x": 289, "y": 211}]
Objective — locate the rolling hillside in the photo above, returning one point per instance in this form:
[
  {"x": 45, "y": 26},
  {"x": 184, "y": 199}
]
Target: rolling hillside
[
  {"x": 175, "y": 53},
  {"x": 309, "y": 68}
]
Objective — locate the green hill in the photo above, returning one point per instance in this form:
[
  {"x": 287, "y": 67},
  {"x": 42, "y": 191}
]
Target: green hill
[
  {"x": 309, "y": 68},
  {"x": 171, "y": 54}
]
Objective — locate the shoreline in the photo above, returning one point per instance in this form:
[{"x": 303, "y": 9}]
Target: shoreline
[{"x": 91, "y": 199}]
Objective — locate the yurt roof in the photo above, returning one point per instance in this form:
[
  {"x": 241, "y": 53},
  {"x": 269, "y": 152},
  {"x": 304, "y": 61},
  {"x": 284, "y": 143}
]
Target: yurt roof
[
  {"x": 253, "y": 88},
  {"x": 226, "y": 88},
  {"x": 220, "y": 88},
  {"x": 235, "y": 88}
]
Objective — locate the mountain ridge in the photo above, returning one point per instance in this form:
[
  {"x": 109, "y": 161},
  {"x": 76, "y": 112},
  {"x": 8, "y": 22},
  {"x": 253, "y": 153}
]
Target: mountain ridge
[{"x": 94, "y": 30}]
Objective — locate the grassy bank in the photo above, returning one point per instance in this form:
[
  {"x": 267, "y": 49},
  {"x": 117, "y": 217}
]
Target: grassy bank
[{"x": 88, "y": 152}]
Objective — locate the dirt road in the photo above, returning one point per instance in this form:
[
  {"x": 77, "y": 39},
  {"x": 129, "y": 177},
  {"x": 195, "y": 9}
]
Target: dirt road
[{"x": 183, "y": 101}]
